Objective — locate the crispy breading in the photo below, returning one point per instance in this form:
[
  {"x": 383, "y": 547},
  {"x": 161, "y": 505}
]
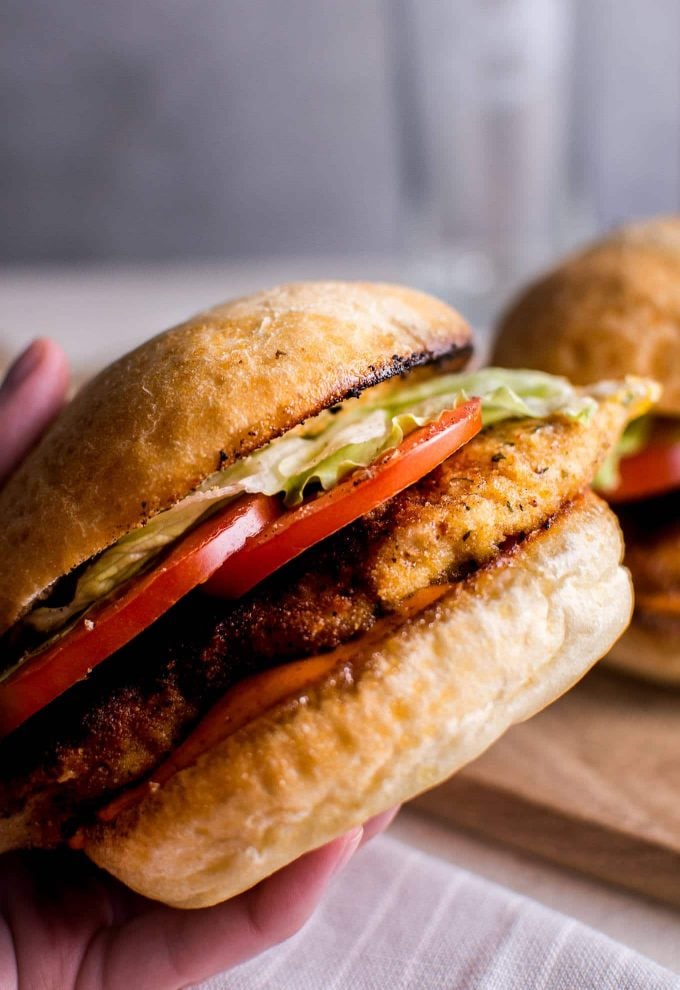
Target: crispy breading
[
  {"x": 507, "y": 480},
  {"x": 118, "y": 725}
]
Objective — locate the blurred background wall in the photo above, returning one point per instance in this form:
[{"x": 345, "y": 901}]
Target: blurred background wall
[{"x": 155, "y": 129}]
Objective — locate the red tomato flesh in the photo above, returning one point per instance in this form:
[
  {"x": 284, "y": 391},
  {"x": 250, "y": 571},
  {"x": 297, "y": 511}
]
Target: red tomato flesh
[
  {"x": 297, "y": 530},
  {"x": 652, "y": 471},
  {"x": 107, "y": 627}
]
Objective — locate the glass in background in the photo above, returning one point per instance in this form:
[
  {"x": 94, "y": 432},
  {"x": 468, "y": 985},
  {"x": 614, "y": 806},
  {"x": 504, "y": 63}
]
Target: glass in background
[{"x": 482, "y": 93}]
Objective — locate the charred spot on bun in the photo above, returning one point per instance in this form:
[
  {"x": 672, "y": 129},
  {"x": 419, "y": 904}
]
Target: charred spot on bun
[
  {"x": 614, "y": 309},
  {"x": 284, "y": 566}
]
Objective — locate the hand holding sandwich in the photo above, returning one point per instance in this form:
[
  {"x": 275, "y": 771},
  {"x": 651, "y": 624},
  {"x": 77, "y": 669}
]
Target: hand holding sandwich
[
  {"x": 249, "y": 601},
  {"x": 66, "y": 924}
]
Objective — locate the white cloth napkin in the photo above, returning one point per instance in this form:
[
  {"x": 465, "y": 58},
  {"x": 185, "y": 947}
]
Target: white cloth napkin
[{"x": 397, "y": 918}]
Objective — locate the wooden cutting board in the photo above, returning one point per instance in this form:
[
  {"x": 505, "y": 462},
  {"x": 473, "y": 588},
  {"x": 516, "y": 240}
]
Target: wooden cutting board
[{"x": 593, "y": 782}]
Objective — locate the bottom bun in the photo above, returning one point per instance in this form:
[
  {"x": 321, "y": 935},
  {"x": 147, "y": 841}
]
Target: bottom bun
[
  {"x": 411, "y": 708},
  {"x": 650, "y": 649}
]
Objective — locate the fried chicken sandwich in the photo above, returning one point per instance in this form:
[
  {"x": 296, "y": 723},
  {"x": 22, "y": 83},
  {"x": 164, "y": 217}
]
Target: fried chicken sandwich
[
  {"x": 283, "y": 567},
  {"x": 614, "y": 309}
]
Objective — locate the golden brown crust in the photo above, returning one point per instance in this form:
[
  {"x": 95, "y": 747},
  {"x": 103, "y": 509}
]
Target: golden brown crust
[
  {"x": 154, "y": 424},
  {"x": 420, "y": 703},
  {"x": 508, "y": 479},
  {"x": 610, "y": 310}
]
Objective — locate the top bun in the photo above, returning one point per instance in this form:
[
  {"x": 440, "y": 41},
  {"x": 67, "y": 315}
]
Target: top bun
[
  {"x": 610, "y": 310},
  {"x": 153, "y": 425}
]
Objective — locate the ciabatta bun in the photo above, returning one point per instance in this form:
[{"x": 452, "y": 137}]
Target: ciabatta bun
[{"x": 608, "y": 311}]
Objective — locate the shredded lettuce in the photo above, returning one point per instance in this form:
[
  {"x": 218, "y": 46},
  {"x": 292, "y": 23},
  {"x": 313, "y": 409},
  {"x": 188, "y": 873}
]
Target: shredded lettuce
[
  {"x": 321, "y": 453},
  {"x": 633, "y": 439}
]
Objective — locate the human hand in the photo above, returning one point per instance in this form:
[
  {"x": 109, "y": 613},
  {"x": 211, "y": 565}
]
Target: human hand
[
  {"x": 65, "y": 924},
  {"x": 33, "y": 392}
]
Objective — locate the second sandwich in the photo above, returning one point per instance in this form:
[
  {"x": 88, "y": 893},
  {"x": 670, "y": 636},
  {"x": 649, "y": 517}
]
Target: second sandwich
[{"x": 614, "y": 309}]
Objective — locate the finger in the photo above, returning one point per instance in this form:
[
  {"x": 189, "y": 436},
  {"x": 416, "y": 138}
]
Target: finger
[
  {"x": 166, "y": 949},
  {"x": 51, "y": 907},
  {"x": 31, "y": 395},
  {"x": 127, "y": 904},
  {"x": 374, "y": 826}
]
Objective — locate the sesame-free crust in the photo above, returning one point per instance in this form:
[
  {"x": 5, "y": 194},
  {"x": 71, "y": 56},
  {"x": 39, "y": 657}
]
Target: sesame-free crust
[{"x": 158, "y": 421}]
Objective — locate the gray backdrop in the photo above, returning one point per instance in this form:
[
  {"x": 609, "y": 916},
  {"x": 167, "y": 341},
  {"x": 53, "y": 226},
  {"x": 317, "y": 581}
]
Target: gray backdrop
[{"x": 174, "y": 128}]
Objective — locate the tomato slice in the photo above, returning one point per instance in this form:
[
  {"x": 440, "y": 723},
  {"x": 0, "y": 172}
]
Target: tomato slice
[
  {"x": 652, "y": 471},
  {"x": 107, "y": 627},
  {"x": 229, "y": 554},
  {"x": 297, "y": 530}
]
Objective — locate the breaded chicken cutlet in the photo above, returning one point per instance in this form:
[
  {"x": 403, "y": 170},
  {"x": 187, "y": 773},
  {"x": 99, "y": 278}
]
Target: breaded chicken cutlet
[{"x": 509, "y": 481}]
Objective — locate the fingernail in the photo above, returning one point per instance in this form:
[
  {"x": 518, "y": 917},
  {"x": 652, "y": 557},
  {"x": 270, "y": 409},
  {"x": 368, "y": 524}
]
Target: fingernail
[
  {"x": 352, "y": 841},
  {"x": 24, "y": 365}
]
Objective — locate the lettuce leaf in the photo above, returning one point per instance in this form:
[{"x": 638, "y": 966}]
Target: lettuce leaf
[
  {"x": 321, "y": 453},
  {"x": 633, "y": 439}
]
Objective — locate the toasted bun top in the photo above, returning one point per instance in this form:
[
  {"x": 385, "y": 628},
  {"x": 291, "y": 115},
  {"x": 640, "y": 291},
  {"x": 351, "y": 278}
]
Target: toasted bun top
[
  {"x": 157, "y": 422},
  {"x": 610, "y": 310}
]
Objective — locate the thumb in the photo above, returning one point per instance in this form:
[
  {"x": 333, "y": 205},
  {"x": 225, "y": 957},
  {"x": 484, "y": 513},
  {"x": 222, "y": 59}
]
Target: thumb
[
  {"x": 31, "y": 395},
  {"x": 165, "y": 949}
]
